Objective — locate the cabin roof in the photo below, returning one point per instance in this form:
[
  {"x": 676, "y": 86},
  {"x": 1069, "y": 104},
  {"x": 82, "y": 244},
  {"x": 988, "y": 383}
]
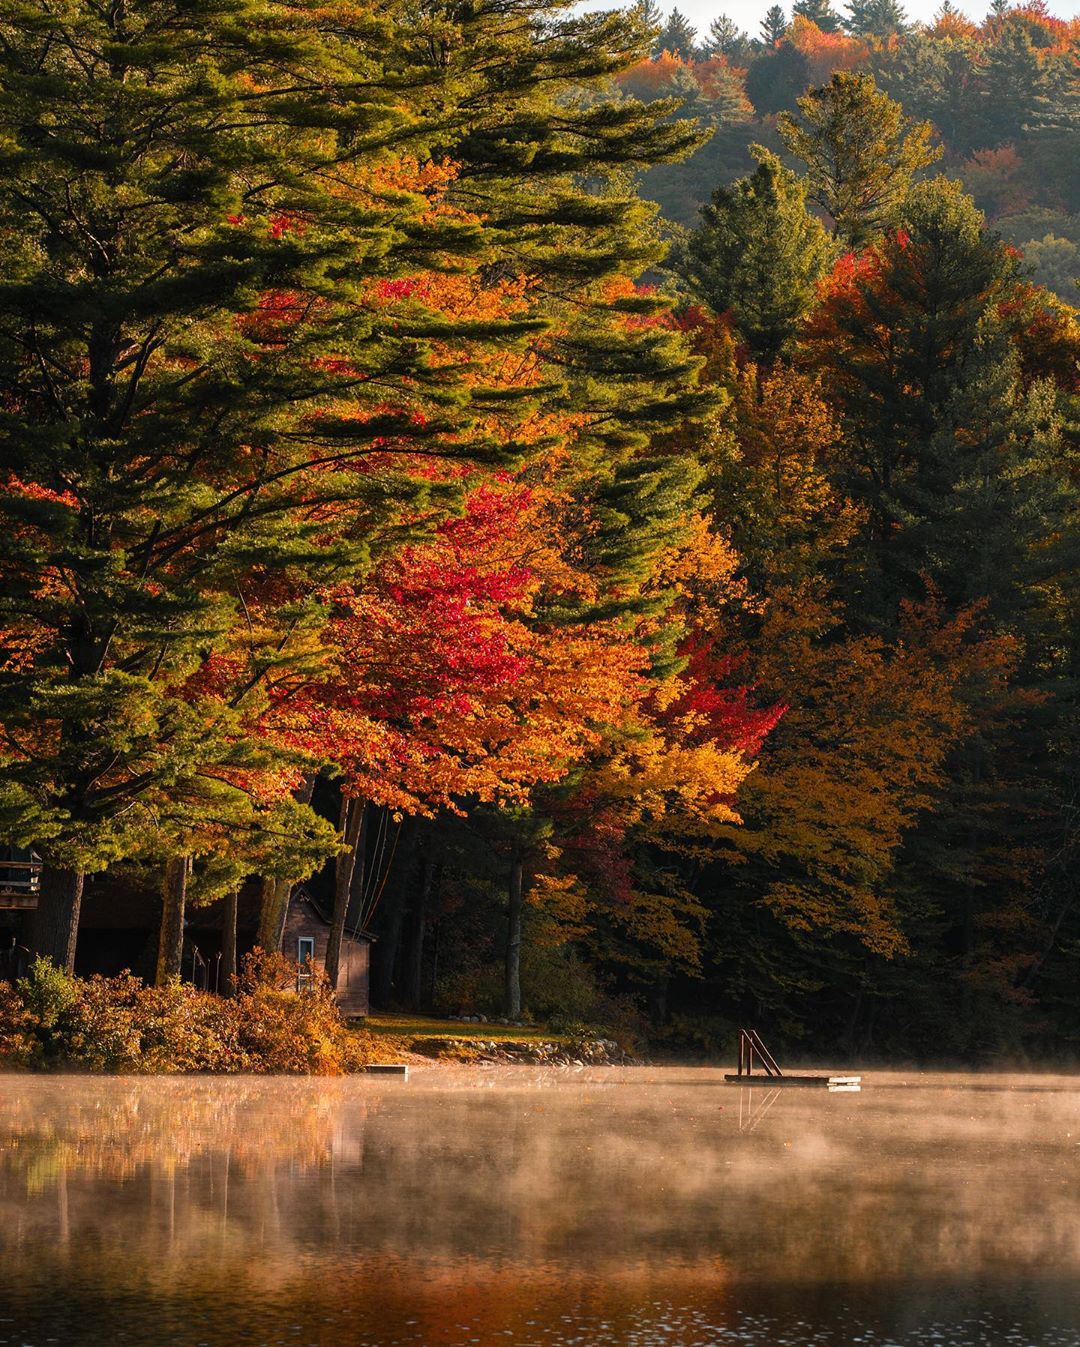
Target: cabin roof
[{"x": 306, "y": 898}]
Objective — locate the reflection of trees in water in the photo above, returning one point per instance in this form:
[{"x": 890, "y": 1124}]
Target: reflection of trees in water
[{"x": 259, "y": 1188}]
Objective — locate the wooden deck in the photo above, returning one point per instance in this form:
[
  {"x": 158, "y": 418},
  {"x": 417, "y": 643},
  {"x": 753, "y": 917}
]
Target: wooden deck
[{"x": 17, "y": 900}]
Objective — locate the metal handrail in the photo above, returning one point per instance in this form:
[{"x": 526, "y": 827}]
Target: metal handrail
[
  {"x": 14, "y": 960},
  {"x": 749, "y": 1044}
]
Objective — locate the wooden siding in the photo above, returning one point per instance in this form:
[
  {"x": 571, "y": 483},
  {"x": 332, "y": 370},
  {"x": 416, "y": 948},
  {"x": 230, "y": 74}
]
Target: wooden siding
[{"x": 354, "y": 974}]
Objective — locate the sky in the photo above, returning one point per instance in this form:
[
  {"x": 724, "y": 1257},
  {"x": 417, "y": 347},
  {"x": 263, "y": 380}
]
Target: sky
[{"x": 747, "y": 13}]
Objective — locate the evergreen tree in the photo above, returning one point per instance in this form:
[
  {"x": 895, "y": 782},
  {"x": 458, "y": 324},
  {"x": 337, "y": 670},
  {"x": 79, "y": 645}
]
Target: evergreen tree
[
  {"x": 1018, "y": 93},
  {"x": 860, "y": 152},
  {"x": 758, "y": 253},
  {"x": 723, "y": 103},
  {"x": 875, "y": 18},
  {"x": 676, "y": 37},
  {"x": 773, "y": 26},
  {"x": 776, "y": 79},
  {"x": 939, "y": 80},
  {"x": 650, "y": 15},
  {"x": 818, "y": 12},
  {"x": 725, "y": 38},
  {"x": 155, "y": 461},
  {"x": 957, "y": 462},
  {"x": 933, "y": 289}
]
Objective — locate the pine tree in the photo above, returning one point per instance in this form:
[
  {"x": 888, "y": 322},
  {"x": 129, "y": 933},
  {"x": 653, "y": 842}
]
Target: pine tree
[
  {"x": 145, "y": 435},
  {"x": 1018, "y": 92},
  {"x": 860, "y": 151},
  {"x": 954, "y": 460},
  {"x": 676, "y": 37},
  {"x": 774, "y": 25},
  {"x": 818, "y": 12},
  {"x": 725, "y": 38},
  {"x": 939, "y": 80},
  {"x": 650, "y": 15},
  {"x": 722, "y": 102},
  {"x": 940, "y": 423},
  {"x": 875, "y": 18},
  {"x": 758, "y": 253},
  {"x": 777, "y": 78}
]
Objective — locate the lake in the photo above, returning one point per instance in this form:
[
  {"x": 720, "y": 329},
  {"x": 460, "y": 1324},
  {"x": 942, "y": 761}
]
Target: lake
[{"x": 543, "y": 1208}]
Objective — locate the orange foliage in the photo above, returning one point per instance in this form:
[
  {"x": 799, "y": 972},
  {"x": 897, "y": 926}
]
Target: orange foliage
[
  {"x": 1050, "y": 35},
  {"x": 658, "y": 77},
  {"x": 953, "y": 24},
  {"x": 998, "y": 181},
  {"x": 826, "y": 52},
  {"x": 652, "y": 77}
]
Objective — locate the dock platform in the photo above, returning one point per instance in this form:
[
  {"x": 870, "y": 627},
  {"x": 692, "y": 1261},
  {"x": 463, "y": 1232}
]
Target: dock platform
[
  {"x": 807, "y": 1082},
  {"x": 751, "y": 1048}
]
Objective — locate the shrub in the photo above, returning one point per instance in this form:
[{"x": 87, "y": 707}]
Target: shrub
[
  {"x": 120, "y": 1025},
  {"x": 17, "y": 1041}
]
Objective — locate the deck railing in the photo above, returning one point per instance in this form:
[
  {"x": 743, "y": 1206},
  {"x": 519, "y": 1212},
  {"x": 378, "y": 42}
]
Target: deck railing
[{"x": 20, "y": 876}]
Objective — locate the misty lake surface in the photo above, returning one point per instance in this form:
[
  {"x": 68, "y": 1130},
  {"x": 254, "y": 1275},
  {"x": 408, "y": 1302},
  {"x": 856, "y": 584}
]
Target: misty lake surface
[{"x": 547, "y": 1208}]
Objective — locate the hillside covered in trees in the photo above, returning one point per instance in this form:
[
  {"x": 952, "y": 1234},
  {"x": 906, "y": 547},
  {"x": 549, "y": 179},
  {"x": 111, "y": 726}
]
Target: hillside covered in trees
[
  {"x": 1000, "y": 97},
  {"x": 661, "y": 616}
]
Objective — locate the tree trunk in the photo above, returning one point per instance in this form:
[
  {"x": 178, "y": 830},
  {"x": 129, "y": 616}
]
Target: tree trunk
[
  {"x": 273, "y": 909},
  {"x": 353, "y": 813},
  {"x": 54, "y": 928},
  {"x": 415, "y": 990},
  {"x": 228, "y": 944},
  {"x": 275, "y": 895},
  {"x": 174, "y": 899},
  {"x": 512, "y": 988}
]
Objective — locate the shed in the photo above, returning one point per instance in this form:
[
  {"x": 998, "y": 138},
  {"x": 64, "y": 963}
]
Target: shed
[{"x": 307, "y": 933}]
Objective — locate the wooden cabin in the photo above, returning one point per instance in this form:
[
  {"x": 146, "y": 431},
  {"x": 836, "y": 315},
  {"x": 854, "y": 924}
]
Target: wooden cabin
[
  {"x": 118, "y": 929},
  {"x": 307, "y": 933}
]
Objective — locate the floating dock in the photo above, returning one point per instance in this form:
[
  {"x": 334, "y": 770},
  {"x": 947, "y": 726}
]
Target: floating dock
[
  {"x": 773, "y": 1082},
  {"x": 751, "y": 1046}
]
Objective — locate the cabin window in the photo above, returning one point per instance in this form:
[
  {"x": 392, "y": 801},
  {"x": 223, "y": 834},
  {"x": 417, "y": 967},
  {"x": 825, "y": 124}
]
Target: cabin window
[{"x": 305, "y": 962}]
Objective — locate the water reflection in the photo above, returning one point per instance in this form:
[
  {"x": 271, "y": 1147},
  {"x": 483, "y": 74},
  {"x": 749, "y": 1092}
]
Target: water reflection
[{"x": 474, "y": 1208}]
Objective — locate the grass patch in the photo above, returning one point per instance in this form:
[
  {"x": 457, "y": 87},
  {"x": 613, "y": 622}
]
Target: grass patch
[{"x": 418, "y": 1027}]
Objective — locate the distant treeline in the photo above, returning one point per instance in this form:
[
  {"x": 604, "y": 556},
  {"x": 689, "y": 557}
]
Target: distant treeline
[{"x": 1001, "y": 96}]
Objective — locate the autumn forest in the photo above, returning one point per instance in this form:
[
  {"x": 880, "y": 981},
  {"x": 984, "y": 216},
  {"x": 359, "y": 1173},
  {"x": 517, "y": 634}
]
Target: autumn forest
[{"x": 595, "y": 503}]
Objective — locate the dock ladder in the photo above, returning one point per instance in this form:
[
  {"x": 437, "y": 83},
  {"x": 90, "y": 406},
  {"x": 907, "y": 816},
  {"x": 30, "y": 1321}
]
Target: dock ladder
[{"x": 750, "y": 1044}]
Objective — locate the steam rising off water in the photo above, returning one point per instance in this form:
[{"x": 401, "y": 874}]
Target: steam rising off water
[{"x": 641, "y": 1207}]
